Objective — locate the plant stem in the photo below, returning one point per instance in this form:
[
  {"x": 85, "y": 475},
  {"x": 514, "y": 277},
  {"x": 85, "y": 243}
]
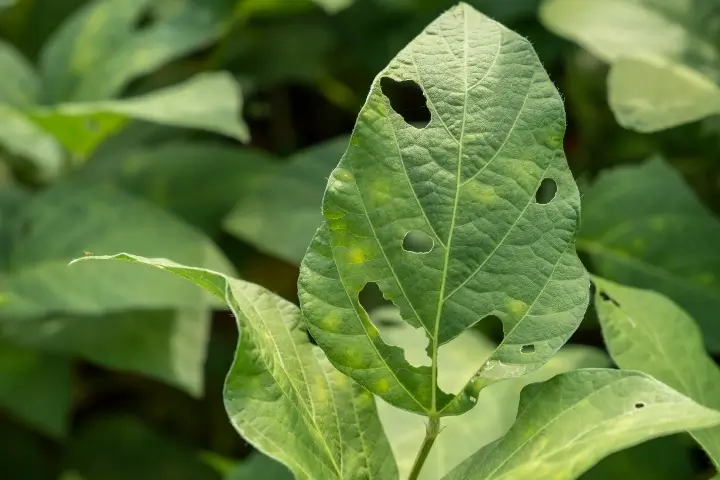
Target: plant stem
[{"x": 431, "y": 433}]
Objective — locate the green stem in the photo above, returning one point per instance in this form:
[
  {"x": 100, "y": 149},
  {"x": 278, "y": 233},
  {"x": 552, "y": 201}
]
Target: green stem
[{"x": 431, "y": 433}]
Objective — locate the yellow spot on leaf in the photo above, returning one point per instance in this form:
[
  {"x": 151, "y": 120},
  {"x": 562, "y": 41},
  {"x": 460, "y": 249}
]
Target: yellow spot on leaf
[
  {"x": 320, "y": 393},
  {"x": 353, "y": 359},
  {"x": 344, "y": 175},
  {"x": 481, "y": 193},
  {"x": 331, "y": 322},
  {"x": 517, "y": 307},
  {"x": 382, "y": 386},
  {"x": 356, "y": 255}
]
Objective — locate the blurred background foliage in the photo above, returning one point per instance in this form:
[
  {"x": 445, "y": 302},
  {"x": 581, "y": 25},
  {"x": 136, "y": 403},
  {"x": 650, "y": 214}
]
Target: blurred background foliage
[{"x": 204, "y": 131}]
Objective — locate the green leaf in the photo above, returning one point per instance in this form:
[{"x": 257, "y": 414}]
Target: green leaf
[
  {"x": 259, "y": 466},
  {"x": 281, "y": 215},
  {"x": 39, "y": 283},
  {"x": 494, "y": 413},
  {"x": 103, "y": 312},
  {"x": 20, "y": 84},
  {"x": 218, "y": 174},
  {"x": 572, "y": 421},
  {"x": 24, "y": 138},
  {"x": 638, "y": 221},
  {"x": 645, "y": 331},
  {"x": 282, "y": 395},
  {"x": 676, "y": 95},
  {"x": 685, "y": 59},
  {"x": 36, "y": 388},
  {"x": 120, "y": 448},
  {"x": 467, "y": 183},
  {"x": 100, "y": 49},
  {"x": 208, "y": 101},
  {"x": 168, "y": 345}
]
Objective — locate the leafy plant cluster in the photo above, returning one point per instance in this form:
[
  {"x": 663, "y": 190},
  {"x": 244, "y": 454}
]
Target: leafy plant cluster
[{"x": 409, "y": 276}]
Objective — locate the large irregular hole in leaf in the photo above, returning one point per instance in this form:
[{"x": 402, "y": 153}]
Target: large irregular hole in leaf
[
  {"x": 546, "y": 192},
  {"x": 408, "y": 100},
  {"x": 416, "y": 241},
  {"x": 393, "y": 329},
  {"x": 527, "y": 349},
  {"x": 462, "y": 357}
]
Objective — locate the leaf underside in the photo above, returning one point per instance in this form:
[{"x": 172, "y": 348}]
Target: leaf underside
[{"x": 468, "y": 182}]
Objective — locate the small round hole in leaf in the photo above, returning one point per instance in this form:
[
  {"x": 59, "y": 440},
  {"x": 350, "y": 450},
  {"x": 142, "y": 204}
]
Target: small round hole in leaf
[
  {"x": 640, "y": 405},
  {"x": 408, "y": 101},
  {"x": 416, "y": 241},
  {"x": 527, "y": 349},
  {"x": 546, "y": 192}
]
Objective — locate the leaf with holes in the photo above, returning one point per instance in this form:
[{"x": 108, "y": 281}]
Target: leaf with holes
[
  {"x": 282, "y": 395},
  {"x": 646, "y": 331},
  {"x": 458, "y": 211},
  {"x": 572, "y": 421}
]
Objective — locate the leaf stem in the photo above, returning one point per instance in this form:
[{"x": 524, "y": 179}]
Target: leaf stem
[{"x": 431, "y": 433}]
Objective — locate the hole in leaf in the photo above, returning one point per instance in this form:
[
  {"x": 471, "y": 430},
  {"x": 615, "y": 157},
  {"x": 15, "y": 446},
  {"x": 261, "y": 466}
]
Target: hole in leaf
[
  {"x": 608, "y": 298},
  {"x": 546, "y": 192},
  {"x": 640, "y": 405},
  {"x": 460, "y": 359},
  {"x": 527, "y": 349},
  {"x": 408, "y": 100},
  {"x": 392, "y": 328},
  {"x": 416, "y": 241},
  {"x": 492, "y": 327}
]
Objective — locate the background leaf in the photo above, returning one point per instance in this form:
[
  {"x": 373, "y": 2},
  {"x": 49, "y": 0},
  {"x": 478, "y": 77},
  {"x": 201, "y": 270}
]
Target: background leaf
[
  {"x": 120, "y": 447},
  {"x": 280, "y": 215},
  {"x": 686, "y": 51},
  {"x": 643, "y": 226},
  {"x": 36, "y": 388}
]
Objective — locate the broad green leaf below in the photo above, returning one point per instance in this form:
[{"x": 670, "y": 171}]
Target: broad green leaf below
[
  {"x": 496, "y": 407},
  {"x": 570, "y": 422},
  {"x": 467, "y": 181},
  {"x": 645, "y": 331},
  {"x": 282, "y": 395},
  {"x": 638, "y": 222},
  {"x": 684, "y": 59},
  {"x": 281, "y": 214}
]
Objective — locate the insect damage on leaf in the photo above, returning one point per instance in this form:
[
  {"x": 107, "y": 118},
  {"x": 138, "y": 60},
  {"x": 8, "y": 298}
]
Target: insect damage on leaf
[{"x": 467, "y": 214}]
